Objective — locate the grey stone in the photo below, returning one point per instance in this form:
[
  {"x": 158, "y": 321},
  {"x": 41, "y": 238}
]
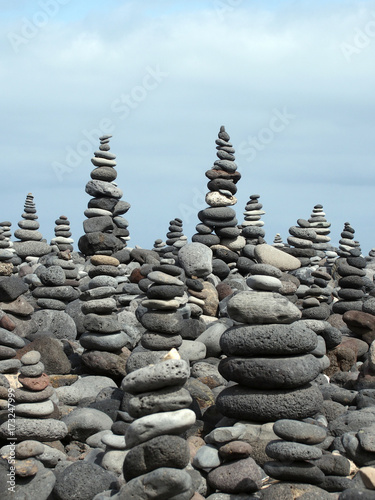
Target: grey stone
[
  {"x": 109, "y": 342},
  {"x": 273, "y": 339},
  {"x": 11, "y": 287},
  {"x": 83, "y": 481},
  {"x": 267, "y": 405},
  {"x": 10, "y": 339},
  {"x": 83, "y": 422},
  {"x": 161, "y": 451},
  {"x": 166, "y": 399},
  {"x": 196, "y": 259},
  {"x": 271, "y": 373},
  {"x": 290, "y": 451},
  {"x": 98, "y": 189},
  {"x": 238, "y": 476},
  {"x": 86, "y": 387},
  {"x": 164, "y": 483},
  {"x": 34, "y": 428},
  {"x": 262, "y": 308},
  {"x": 297, "y": 471},
  {"x": 60, "y": 324},
  {"x": 206, "y": 458},
  {"x": 303, "y": 432},
  {"x": 52, "y": 276}
]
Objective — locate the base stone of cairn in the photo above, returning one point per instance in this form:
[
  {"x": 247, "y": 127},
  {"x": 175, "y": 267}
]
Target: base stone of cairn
[
  {"x": 105, "y": 229},
  {"x": 269, "y": 360},
  {"x": 157, "y": 453},
  {"x": 31, "y": 244}
]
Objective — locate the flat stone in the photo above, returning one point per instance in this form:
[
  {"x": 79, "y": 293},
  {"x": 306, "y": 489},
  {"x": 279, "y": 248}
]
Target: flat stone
[
  {"x": 303, "y": 432},
  {"x": 11, "y": 287},
  {"x": 34, "y": 383},
  {"x": 10, "y": 339},
  {"x": 267, "y": 254},
  {"x": 166, "y": 399},
  {"x": 111, "y": 342},
  {"x": 99, "y": 306},
  {"x": 86, "y": 387},
  {"x": 28, "y": 448},
  {"x": 42, "y": 409},
  {"x": 296, "y": 471},
  {"x": 290, "y": 451},
  {"x": 23, "y": 395},
  {"x": 31, "y": 248},
  {"x": 19, "y": 306},
  {"x": 268, "y": 283},
  {"x": 32, "y": 370},
  {"x": 271, "y": 373},
  {"x": 98, "y": 189},
  {"x": 277, "y": 340},
  {"x": 172, "y": 372},
  {"x": 150, "y": 426},
  {"x": 162, "y": 322},
  {"x": 266, "y": 405},
  {"x": 36, "y": 429},
  {"x": 83, "y": 422},
  {"x": 261, "y": 308}
]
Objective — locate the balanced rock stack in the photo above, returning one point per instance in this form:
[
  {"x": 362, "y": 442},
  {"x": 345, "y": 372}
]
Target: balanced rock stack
[
  {"x": 269, "y": 360},
  {"x": 347, "y": 243},
  {"x": 318, "y": 297},
  {"x": 163, "y": 319},
  {"x": 54, "y": 293},
  {"x": 295, "y": 452},
  {"x": 157, "y": 453},
  {"x": 63, "y": 235},
  {"x": 351, "y": 271},
  {"x": 278, "y": 241},
  {"x": 175, "y": 238},
  {"x": 252, "y": 226},
  {"x": 301, "y": 241},
  {"x": 32, "y": 244},
  {"x": 37, "y": 416},
  {"x": 103, "y": 329},
  {"x": 105, "y": 229},
  {"x": 319, "y": 223},
  {"x": 219, "y": 217},
  {"x": 7, "y": 252}
]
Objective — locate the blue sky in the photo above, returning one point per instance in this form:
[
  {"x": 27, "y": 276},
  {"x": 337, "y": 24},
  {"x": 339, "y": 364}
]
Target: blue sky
[{"x": 291, "y": 81}]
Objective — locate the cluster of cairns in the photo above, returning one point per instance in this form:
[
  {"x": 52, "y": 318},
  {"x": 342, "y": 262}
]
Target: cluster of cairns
[{"x": 222, "y": 368}]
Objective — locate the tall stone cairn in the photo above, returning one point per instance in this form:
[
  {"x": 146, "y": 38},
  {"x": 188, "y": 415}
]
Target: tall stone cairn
[{"x": 106, "y": 231}]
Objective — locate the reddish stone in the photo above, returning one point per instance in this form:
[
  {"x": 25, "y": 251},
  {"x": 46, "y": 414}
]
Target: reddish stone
[
  {"x": 235, "y": 450},
  {"x": 35, "y": 383},
  {"x": 359, "y": 322},
  {"x": 360, "y": 347},
  {"x": 223, "y": 290},
  {"x": 7, "y": 323},
  {"x": 136, "y": 276},
  {"x": 342, "y": 358}
]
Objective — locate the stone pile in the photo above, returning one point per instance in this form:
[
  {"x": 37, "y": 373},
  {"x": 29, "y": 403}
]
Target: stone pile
[
  {"x": 157, "y": 453},
  {"x": 278, "y": 241},
  {"x": 301, "y": 241},
  {"x": 294, "y": 453},
  {"x": 175, "y": 239},
  {"x": 319, "y": 223},
  {"x": 351, "y": 273},
  {"x": 62, "y": 238},
  {"x": 317, "y": 299},
  {"x": 103, "y": 338},
  {"x": 31, "y": 245},
  {"x": 347, "y": 242},
  {"x": 252, "y": 226},
  {"x": 269, "y": 360},
  {"x": 106, "y": 231},
  {"x": 36, "y": 413},
  {"x": 7, "y": 254},
  {"x": 218, "y": 221}
]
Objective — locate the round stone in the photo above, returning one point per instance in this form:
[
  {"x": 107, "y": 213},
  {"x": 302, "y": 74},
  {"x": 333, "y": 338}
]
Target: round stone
[
  {"x": 52, "y": 276},
  {"x": 31, "y": 358},
  {"x": 303, "y": 432},
  {"x": 268, "y": 406},
  {"x": 107, "y": 174}
]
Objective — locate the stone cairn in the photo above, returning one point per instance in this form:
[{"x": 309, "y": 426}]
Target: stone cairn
[
  {"x": 268, "y": 360},
  {"x": 294, "y": 453},
  {"x": 347, "y": 242},
  {"x": 7, "y": 253},
  {"x": 321, "y": 227},
  {"x": 32, "y": 246},
  {"x": 278, "y": 241},
  {"x": 175, "y": 239},
  {"x": 252, "y": 226},
  {"x": 62, "y": 238},
  {"x": 317, "y": 299},
  {"x": 301, "y": 241},
  {"x": 106, "y": 231},
  {"x": 219, "y": 216},
  {"x": 103, "y": 329},
  {"x": 157, "y": 453}
]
